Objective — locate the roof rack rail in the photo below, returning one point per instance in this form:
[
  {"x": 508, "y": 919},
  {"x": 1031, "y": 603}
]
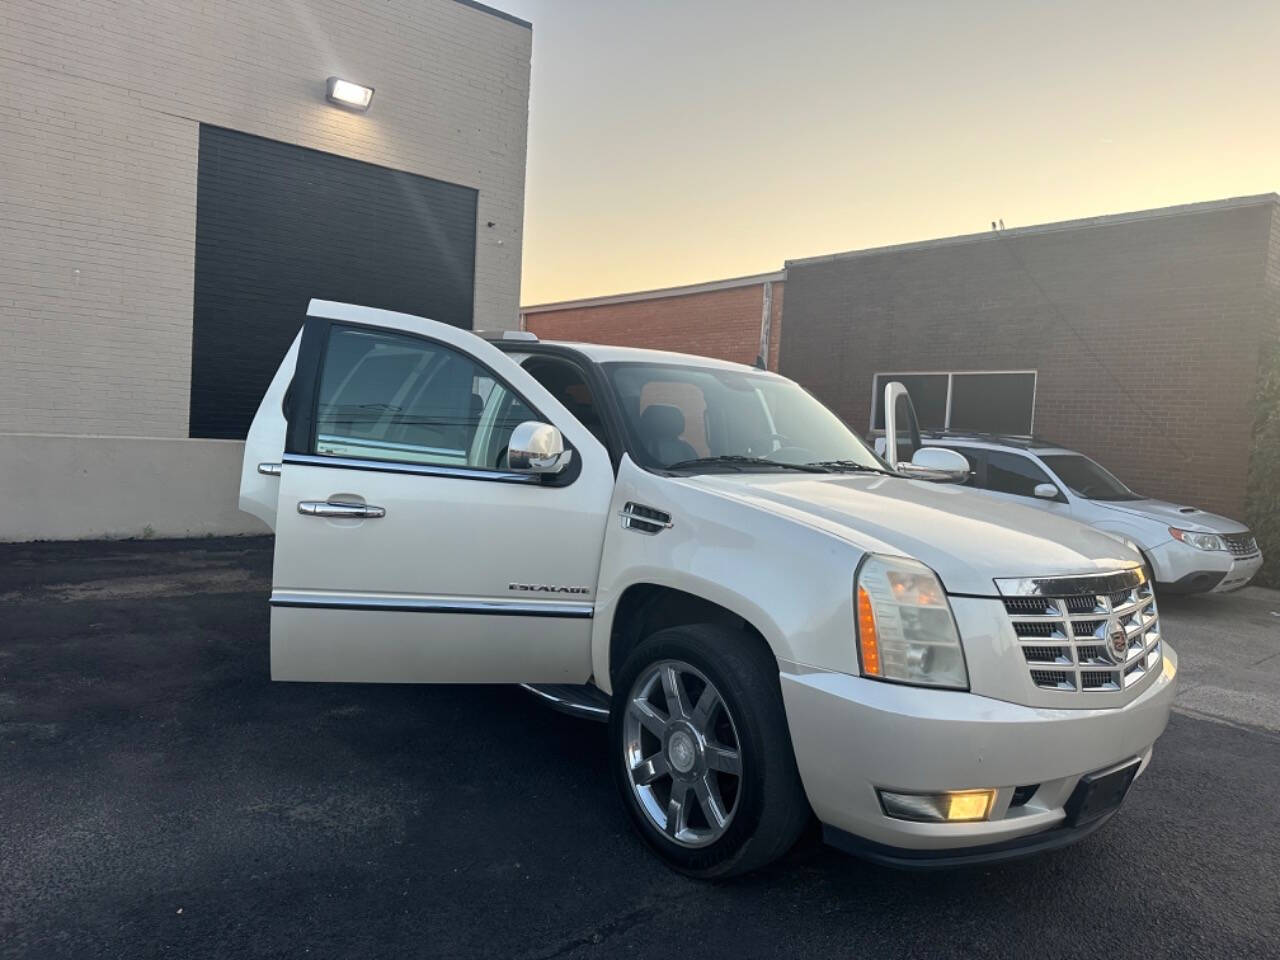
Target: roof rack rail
[
  {"x": 1011, "y": 439},
  {"x": 527, "y": 336}
]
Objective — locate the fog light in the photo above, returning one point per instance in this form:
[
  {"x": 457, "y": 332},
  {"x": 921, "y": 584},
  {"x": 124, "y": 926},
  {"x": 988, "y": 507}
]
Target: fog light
[
  {"x": 348, "y": 94},
  {"x": 954, "y": 806}
]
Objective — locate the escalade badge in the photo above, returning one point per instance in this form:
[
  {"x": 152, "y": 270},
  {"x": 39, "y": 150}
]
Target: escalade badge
[
  {"x": 1117, "y": 640},
  {"x": 545, "y": 588}
]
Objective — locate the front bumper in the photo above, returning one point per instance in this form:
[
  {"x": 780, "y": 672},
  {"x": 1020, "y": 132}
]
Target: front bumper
[
  {"x": 852, "y": 736},
  {"x": 1183, "y": 569}
]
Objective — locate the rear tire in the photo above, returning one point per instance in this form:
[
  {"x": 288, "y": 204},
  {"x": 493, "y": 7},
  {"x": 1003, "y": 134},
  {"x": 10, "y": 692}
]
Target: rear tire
[{"x": 710, "y": 783}]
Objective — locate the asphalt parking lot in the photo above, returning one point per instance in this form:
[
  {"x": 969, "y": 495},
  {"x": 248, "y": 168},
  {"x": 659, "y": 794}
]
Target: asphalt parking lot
[{"x": 159, "y": 796}]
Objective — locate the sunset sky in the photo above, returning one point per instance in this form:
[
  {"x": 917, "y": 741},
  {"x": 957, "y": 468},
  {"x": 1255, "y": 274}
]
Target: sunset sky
[{"x": 674, "y": 142}]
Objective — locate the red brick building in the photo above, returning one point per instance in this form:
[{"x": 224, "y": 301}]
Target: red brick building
[{"x": 725, "y": 319}]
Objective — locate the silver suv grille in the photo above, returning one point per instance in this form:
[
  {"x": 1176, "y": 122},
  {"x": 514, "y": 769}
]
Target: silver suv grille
[
  {"x": 1105, "y": 639},
  {"x": 1240, "y": 544}
]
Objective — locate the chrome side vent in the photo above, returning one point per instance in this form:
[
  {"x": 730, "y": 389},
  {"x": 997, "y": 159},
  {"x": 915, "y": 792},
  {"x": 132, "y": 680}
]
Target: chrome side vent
[{"x": 642, "y": 519}]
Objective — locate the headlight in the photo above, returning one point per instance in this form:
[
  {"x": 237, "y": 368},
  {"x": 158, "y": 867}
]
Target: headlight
[
  {"x": 905, "y": 628},
  {"x": 1201, "y": 541}
]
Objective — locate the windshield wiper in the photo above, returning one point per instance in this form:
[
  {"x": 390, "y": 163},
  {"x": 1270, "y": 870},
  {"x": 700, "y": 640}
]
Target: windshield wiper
[
  {"x": 740, "y": 460},
  {"x": 850, "y": 465}
]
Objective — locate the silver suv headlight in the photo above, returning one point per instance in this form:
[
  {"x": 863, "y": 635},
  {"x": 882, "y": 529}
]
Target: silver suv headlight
[
  {"x": 906, "y": 631},
  {"x": 1201, "y": 541}
]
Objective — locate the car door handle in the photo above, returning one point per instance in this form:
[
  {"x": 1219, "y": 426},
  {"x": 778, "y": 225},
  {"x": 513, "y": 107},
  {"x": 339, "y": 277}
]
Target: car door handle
[{"x": 340, "y": 508}]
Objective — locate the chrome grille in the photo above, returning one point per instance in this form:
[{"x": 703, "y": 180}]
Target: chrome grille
[
  {"x": 1240, "y": 544},
  {"x": 1066, "y": 636}
]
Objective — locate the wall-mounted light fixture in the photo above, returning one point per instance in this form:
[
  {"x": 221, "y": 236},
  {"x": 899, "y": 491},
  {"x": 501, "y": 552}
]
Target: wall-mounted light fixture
[{"x": 347, "y": 94}]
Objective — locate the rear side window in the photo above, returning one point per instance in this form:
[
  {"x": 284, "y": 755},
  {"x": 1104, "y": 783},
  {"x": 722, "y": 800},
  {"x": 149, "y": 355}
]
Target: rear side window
[
  {"x": 386, "y": 396},
  {"x": 1013, "y": 473}
]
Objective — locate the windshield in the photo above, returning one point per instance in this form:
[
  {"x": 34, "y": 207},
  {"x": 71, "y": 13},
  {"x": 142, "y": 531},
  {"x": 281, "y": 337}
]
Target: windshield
[
  {"x": 675, "y": 414},
  {"x": 1086, "y": 478}
]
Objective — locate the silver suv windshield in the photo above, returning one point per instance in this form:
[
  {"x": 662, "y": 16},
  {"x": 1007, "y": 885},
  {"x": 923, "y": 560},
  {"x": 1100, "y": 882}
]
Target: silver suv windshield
[
  {"x": 1087, "y": 479},
  {"x": 701, "y": 418}
]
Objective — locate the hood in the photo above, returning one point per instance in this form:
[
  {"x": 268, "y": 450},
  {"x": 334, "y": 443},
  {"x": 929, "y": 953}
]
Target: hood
[
  {"x": 1174, "y": 515},
  {"x": 967, "y": 539}
]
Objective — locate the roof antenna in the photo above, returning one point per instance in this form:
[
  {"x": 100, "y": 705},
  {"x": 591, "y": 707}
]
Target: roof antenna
[{"x": 760, "y": 364}]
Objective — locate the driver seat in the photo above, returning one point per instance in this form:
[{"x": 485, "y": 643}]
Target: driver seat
[{"x": 660, "y": 428}]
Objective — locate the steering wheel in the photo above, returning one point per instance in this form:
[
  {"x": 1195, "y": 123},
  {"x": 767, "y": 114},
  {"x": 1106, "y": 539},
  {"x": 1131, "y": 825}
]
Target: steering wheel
[{"x": 794, "y": 455}]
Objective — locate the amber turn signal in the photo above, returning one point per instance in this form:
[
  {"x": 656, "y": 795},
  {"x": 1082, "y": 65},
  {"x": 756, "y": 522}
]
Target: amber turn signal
[{"x": 867, "y": 642}]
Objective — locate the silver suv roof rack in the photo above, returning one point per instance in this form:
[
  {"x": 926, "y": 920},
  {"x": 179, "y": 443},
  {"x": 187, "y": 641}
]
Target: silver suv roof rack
[
  {"x": 1007, "y": 439},
  {"x": 527, "y": 336}
]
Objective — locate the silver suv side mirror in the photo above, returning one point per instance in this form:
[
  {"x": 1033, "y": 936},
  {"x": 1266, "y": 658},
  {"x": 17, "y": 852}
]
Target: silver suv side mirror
[
  {"x": 1046, "y": 491},
  {"x": 537, "y": 448},
  {"x": 938, "y": 464}
]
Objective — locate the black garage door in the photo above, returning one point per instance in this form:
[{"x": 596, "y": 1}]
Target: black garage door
[{"x": 277, "y": 225}]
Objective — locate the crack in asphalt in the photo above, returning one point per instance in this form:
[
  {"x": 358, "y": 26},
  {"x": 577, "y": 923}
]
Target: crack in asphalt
[{"x": 602, "y": 932}]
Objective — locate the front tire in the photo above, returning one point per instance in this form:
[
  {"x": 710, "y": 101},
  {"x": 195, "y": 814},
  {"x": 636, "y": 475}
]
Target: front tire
[{"x": 702, "y": 756}]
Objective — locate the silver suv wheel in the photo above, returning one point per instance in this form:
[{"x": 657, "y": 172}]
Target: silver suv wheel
[{"x": 681, "y": 748}]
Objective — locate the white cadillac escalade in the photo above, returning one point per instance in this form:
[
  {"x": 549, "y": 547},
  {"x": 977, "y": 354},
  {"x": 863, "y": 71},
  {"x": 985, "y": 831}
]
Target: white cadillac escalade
[{"x": 774, "y": 622}]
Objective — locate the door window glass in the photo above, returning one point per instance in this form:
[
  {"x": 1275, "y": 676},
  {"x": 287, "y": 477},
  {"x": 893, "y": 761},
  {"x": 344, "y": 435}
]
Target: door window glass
[
  {"x": 906, "y": 428},
  {"x": 1089, "y": 479},
  {"x": 1012, "y": 473},
  {"x": 387, "y": 396}
]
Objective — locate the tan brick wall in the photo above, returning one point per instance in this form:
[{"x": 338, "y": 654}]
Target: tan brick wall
[
  {"x": 1153, "y": 371},
  {"x": 724, "y": 324},
  {"x": 100, "y": 102}
]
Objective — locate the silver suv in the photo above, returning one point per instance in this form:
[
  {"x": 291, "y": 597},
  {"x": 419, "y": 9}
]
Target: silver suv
[{"x": 1187, "y": 549}]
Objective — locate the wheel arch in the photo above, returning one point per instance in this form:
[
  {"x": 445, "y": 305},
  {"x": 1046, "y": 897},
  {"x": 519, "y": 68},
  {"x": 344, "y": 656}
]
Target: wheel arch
[
  {"x": 1136, "y": 536},
  {"x": 646, "y": 606}
]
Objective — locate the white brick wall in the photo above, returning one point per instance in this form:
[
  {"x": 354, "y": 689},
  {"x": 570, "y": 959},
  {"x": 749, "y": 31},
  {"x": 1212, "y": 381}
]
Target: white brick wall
[{"x": 100, "y": 102}]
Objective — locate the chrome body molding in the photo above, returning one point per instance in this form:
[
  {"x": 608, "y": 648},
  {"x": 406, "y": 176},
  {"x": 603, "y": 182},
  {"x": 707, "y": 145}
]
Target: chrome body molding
[
  {"x": 1072, "y": 586},
  {"x": 494, "y": 607},
  {"x": 420, "y": 469}
]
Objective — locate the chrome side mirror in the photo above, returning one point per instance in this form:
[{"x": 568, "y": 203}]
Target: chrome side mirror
[
  {"x": 537, "y": 448},
  {"x": 1046, "y": 491},
  {"x": 938, "y": 464}
]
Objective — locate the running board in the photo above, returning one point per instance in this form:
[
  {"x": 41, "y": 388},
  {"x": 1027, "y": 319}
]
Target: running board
[{"x": 578, "y": 700}]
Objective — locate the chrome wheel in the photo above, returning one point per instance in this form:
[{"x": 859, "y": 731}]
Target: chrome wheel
[{"x": 682, "y": 753}]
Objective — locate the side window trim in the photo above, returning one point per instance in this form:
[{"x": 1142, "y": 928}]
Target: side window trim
[
  {"x": 301, "y": 427},
  {"x": 416, "y": 469}
]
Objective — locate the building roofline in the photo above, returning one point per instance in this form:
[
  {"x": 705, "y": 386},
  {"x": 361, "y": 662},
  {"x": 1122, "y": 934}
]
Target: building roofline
[
  {"x": 659, "y": 294},
  {"x": 495, "y": 12},
  {"x": 1084, "y": 223}
]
